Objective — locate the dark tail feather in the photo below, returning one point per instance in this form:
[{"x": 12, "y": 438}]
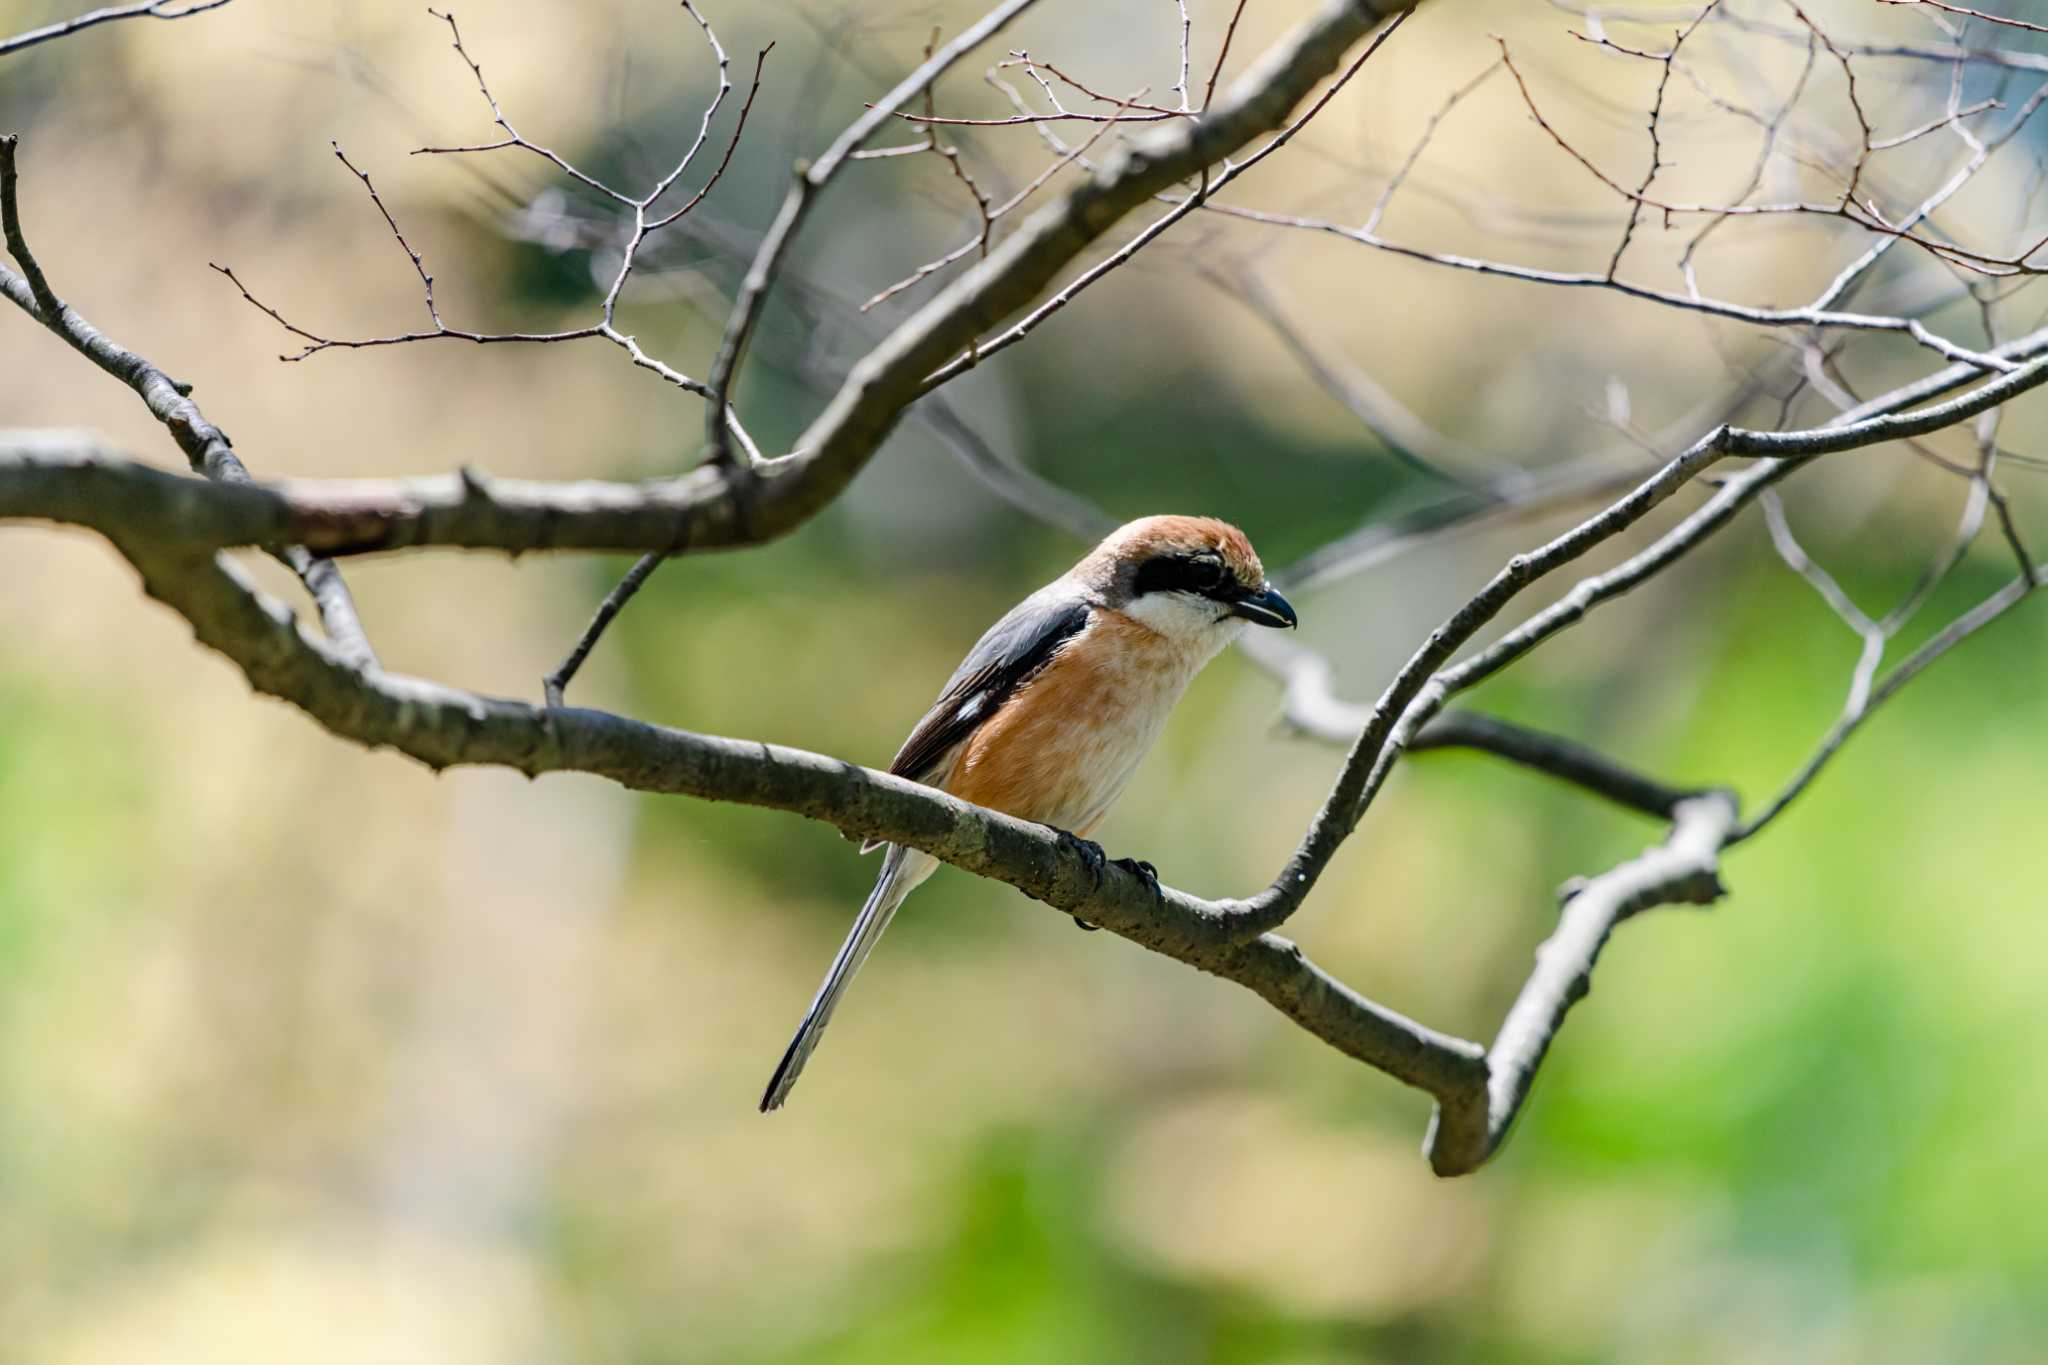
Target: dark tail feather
[{"x": 890, "y": 889}]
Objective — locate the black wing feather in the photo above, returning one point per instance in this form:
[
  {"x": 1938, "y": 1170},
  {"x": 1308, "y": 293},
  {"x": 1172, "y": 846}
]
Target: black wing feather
[{"x": 1003, "y": 660}]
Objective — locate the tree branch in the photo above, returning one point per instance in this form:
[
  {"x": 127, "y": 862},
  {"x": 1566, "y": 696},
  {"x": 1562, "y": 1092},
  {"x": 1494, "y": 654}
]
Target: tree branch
[
  {"x": 148, "y": 9},
  {"x": 1555, "y": 756},
  {"x": 803, "y": 192},
  {"x": 556, "y": 682},
  {"x": 205, "y": 445},
  {"x": 1684, "y": 868},
  {"x": 442, "y": 727}
]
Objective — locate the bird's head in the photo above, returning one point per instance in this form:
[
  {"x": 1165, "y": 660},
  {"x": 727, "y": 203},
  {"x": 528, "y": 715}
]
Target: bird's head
[{"x": 1186, "y": 577}]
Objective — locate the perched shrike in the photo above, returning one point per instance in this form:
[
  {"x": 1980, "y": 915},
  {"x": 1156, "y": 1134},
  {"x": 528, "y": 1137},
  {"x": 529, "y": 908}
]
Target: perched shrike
[{"x": 1053, "y": 708}]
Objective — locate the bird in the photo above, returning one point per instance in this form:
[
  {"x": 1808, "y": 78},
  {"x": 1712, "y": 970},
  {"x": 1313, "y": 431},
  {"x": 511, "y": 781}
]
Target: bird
[{"x": 1055, "y": 706}]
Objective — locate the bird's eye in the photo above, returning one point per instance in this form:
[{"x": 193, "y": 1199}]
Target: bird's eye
[{"x": 1206, "y": 572}]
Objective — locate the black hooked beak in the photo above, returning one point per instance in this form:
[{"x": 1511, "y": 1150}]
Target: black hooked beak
[{"x": 1267, "y": 608}]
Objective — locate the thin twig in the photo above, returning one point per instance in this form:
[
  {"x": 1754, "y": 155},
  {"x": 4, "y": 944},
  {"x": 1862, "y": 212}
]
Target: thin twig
[
  {"x": 982, "y": 349},
  {"x": 1967, "y": 13},
  {"x": 980, "y": 240},
  {"x": 1222, "y": 54},
  {"x": 149, "y": 9},
  {"x": 1406, "y": 437},
  {"x": 1665, "y": 60},
  {"x": 1401, "y": 172},
  {"x": 553, "y": 685},
  {"x": 1951, "y": 635},
  {"x": 1180, "y": 84},
  {"x": 604, "y": 328},
  {"x": 803, "y": 192},
  {"x": 1861, "y": 213}
]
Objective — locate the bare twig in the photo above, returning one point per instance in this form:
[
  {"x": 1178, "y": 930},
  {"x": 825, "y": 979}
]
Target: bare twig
[
  {"x": 1951, "y": 635},
  {"x": 1145, "y": 173},
  {"x": 980, "y": 240},
  {"x": 643, "y": 226},
  {"x": 614, "y": 601},
  {"x": 732, "y": 144},
  {"x": 1062, "y": 116},
  {"x": 1771, "y": 127},
  {"x": 1037, "y": 65},
  {"x": 1406, "y": 437},
  {"x": 803, "y": 192},
  {"x": 1313, "y": 708},
  {"x": 1665, "y": 61},
  {"x": 1407, "y": 166},
  {"x": 149, "y": 9},
  {"x": 1180, "y": 86},
  {"x": 1968, "y": 13},
  {"x": 512, "y": 137},
  {"x": 1861, "y": 213},
  {"x": 1222, "y": 54},
  {"x": 1760, "y": 317}
]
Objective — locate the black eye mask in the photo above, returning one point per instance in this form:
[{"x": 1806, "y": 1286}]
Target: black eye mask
[{"x": 1202, "y": 574}]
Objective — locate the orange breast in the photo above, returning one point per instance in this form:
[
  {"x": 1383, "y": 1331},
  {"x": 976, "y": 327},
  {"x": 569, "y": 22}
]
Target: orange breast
[{"x": 1062, "y": 749}]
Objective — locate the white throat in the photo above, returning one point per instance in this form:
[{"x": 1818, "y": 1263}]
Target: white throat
[{"x": 1185, "y": 619}]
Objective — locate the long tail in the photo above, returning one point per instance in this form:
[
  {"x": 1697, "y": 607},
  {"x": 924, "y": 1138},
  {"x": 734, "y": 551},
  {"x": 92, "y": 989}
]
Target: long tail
[{"x": 902, "y": 870}]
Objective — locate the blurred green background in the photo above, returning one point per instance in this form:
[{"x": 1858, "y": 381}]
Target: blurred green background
[{"x": 309, "y": 1055}]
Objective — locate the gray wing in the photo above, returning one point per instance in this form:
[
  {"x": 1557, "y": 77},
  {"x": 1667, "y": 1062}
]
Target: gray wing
[{"x": 1003, "y": 660}]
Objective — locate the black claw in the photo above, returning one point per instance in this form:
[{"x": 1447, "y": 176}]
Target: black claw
[
  {"x": 1141, "y": 869},
  {"x": 1090, "y": 851},
  {"x": 1091, "y": 854}
]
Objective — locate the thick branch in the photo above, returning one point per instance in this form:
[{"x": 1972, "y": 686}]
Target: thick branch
[
  {"x": 348, "y": 517},
  {"x": 157, "y": 518},
  {"x": 442, "y": 726}
]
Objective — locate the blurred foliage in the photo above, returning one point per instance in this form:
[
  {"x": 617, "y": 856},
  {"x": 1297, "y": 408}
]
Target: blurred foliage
[{"x": 308, "y": 1055}]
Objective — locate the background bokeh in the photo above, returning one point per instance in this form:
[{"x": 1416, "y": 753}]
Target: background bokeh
[{"x": 307, "y": 1054}]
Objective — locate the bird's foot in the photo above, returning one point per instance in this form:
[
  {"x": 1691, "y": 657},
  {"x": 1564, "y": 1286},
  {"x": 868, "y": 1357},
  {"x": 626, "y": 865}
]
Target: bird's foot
[{"x": 1092, "y": 855}]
